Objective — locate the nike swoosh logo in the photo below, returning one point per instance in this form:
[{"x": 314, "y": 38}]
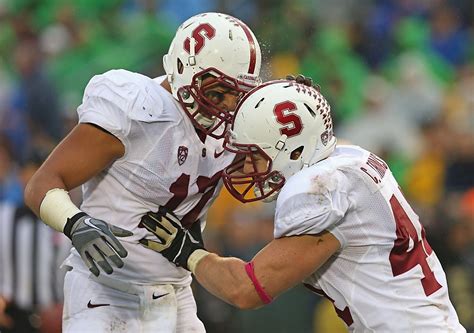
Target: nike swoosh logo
[
  {"x": 87, "y": 221},
  {"x": 90, "y": 305},
  {"x": 158, "y": 296},
  {"x": 218, "y": 154}
]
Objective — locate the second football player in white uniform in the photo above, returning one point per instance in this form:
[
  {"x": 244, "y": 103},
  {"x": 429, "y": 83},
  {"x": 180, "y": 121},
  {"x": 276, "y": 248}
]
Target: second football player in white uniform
[
  {"x": 142, "y": 143},
  {"x": 342, "y": 224}
]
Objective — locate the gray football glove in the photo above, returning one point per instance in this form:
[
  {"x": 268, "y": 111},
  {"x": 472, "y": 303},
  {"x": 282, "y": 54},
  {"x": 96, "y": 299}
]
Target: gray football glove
[
  {"x": 96, "y": 242},
  {"x": 175, "y": 243}
]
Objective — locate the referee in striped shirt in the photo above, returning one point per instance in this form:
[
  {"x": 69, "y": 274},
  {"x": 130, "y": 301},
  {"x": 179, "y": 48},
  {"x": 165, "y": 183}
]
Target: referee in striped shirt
[{"x": 30, "y": 278}]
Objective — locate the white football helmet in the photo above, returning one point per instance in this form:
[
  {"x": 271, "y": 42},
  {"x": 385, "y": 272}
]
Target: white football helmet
[
  {"x": 211, "y": 45},
  {"x": 289, "y": 125}
]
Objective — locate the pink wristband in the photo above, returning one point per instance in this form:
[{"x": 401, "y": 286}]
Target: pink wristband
[{"x": 260, "y": 291}]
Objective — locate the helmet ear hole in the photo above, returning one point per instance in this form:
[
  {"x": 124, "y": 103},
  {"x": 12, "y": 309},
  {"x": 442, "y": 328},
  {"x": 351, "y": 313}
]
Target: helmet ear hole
[
  {"x": 180, "y": 66},
  {"x": 295, "y": 154}
]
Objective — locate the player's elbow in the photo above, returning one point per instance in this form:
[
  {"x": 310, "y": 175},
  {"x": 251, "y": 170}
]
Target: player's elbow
[
  {"x": 33, "y": 194},
  {"x": 28, "y": 194},
  {"x": 245, "y": 299}
]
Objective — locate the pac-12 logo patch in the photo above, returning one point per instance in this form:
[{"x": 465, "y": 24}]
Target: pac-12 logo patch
[{"x": 182, "y": 154}]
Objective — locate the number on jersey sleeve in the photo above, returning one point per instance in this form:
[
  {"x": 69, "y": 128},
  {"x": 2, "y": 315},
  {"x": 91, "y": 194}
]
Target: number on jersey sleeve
[{"x": 411, "y": 248}]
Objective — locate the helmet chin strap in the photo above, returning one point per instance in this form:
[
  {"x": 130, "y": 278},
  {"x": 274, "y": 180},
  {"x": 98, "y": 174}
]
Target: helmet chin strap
[
  {"x": 292, "y": 167},
  {"x": 204, "y": 121},
  {"x": 201, "y": 119},
  {"x": 271, "y": 197},
  {"x": 266, "y": 187}
]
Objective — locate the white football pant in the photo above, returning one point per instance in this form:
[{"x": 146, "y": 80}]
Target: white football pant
[{"x": 117, "y": 306}]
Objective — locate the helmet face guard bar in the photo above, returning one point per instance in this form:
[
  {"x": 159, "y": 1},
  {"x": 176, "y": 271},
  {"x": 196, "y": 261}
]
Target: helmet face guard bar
[
  {"x": 239, "y": 184},
  {"x": 201, "y": 106}
]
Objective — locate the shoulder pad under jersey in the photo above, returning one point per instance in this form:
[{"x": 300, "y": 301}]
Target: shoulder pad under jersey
[{"x": 139, "y": 96}]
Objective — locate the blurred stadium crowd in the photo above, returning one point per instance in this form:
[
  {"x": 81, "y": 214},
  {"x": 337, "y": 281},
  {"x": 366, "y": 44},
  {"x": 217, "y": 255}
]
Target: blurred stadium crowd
[{"x": 398, "y": 73}]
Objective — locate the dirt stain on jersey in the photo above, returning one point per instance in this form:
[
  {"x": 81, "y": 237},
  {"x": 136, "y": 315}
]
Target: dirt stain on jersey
[
  {"x": 322, "y": 184},
  {"x": 118, "y": 325}
]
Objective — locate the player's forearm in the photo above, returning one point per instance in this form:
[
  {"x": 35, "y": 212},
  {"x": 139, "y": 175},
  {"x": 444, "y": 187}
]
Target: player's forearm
[
  {"x": 226, "y": 278},
  {"x": 46, "y": 195},
  {"x": 37, "y": 187}
]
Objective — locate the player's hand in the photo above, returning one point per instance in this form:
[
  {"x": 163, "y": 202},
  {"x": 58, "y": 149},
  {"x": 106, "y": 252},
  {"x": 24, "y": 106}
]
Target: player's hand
[
  {"x": 175, "y": 242},
  {"x": 96, "y": 242},
  {"x": 306, "y": 80}
]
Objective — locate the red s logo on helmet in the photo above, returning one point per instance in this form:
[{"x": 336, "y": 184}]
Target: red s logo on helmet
[
  {"x": 287, "y": 119},
  {"x": 198, "y": 34}
]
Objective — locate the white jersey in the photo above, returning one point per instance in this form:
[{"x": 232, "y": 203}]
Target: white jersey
[
  {"x": 385, "y": 277},
  {"x": 165, "y": 163}
]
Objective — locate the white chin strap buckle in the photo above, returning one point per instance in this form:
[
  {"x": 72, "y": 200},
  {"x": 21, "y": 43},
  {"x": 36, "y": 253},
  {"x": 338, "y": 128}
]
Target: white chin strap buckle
[
  {"x": 266, "y": 189},
  {"x": 204, "y": 121}
]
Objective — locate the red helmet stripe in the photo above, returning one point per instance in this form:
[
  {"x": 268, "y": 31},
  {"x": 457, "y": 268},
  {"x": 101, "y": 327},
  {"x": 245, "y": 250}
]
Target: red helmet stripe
[{"x": 253, "y": 49}]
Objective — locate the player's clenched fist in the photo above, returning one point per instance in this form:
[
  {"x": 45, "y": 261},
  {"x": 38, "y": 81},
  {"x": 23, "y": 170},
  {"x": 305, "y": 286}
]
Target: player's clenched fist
[{"x": 174, "y": 242}]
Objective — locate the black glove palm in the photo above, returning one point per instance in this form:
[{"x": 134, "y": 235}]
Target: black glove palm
[{"x": 175, "y": 243}]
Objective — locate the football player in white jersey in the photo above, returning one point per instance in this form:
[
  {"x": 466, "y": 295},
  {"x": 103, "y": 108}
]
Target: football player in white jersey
[
  {"x": 342, "y": 224},
  {"x": 142, "y": 143}
]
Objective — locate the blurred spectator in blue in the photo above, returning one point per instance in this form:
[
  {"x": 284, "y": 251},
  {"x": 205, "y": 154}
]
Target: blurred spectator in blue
[
  {"x": 11, "y": 190},
  {"x": 175, "y": 11},
  {"x": 34, "y": 113},
  {"x": 36, "y": 94},
  {"x": 448, "y": 38},
  {"x": 459, "y": 171},
  {"x": 376, "y": 42},
  {"x": 246, "y": 10}
]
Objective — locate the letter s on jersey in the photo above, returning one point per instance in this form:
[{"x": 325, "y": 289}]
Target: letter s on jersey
[
  {"x": 201, "y": 31},
  {"x": 292, "y": 121}
]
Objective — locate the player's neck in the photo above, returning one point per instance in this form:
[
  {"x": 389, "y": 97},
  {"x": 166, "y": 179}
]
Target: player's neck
[{"x": 166, "y": 85}]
